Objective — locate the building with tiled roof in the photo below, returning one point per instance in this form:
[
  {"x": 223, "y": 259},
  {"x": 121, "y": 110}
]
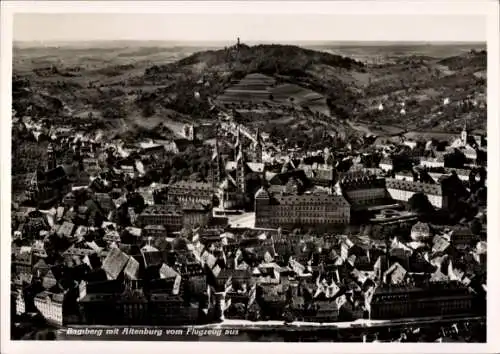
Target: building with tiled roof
[
  {"x": 278, "y": 210},
  {"x": 437, "y": 173},
  {"x": 154, "y": 231},
  {"x": 151, "y": 257},
  {"x": 404, "y": 175},
  {"x": 420, "y": 231},
  {"x": 165, "y": 308},
  {"x": 195, "y": 213},
  {"x": 435, "y": 299},
  {"x": 229, "y": 194},
  {"x": 167, "y": 215},
  {"x": 105, "y": 201},
  {"x": 82, "y": 249},
  {"x": 354, "y": 174},
  {"x": 386, "y": 164},
  {"x": 404, "y": 190},
  {"x": 66, "y": 229},
  {"x": 52, "y": 307},
  {"x": 322, "y": 175},
  {"x": 48, "y": 186},
  {"x": 462, "y": 236},
  {"x": 114, "y": 263},
  {"x": 131, "y": 270},
  {"x": 190, "y": 191},
  {"x": 396, "y": 274},
  {"x": 365, "y": 192},
  {"x": 432, "y": 161}
]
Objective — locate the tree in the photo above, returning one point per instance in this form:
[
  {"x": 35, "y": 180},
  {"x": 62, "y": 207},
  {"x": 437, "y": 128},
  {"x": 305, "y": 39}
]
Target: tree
[
  {"x": 186, "y": 233},
  {"x": 136, "y": 201},
  {"x": 148, "y": 110},
  {"x": 455, "y": 160},
  {"x": 420, "y": 204},
  {"x": 253, "y": 313},
  {"x": 476, "y": 227},
  {"x": 239, "y": 310}
]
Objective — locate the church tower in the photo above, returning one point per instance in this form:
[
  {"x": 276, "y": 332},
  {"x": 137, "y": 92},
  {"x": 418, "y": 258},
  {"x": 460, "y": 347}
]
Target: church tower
[
  {"x": 238, "y": 142},
  {"x": 258, "y": 147},
  {"x": 216, "y": 166},
  {"x": 464, "y": 136},
  {"x": 240, "y": 170},
  {"x": 51, "y": 158},
  {"x": 32, "y": 191}
]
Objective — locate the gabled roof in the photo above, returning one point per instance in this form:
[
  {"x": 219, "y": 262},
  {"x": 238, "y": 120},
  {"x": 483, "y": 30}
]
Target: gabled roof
[
  {"x": 49, "y": 280},
  {"x": 92, "y": 245},
  {"x": 256, "y": 166},
  {"x": 231, "y": 166},
  {"x": 151, "y": 259},
  {"x": 105, "y": 201},
  {"x": 132, "y": 269},
  {"x": 66, "y": 229},
  {"x": 395, "y": 274},
  {"x": 134, "y": 231},
  {"x": 167, "y": 272},
  {"x": 438, "y": 276},
  {"x": 208, "y": 259},
  {"x": 114, "y": 263},
  {"x": 41, "y": 264},
  {"x": 417, "y": 187},
  {"x": 440, "y": 245}
]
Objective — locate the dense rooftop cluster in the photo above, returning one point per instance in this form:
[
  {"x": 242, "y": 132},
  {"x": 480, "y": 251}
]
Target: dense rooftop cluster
[{"x": 260, "y": 233}]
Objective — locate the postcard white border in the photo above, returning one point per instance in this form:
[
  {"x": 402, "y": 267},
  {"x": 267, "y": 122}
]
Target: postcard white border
[{"x": 489, "y": 9}]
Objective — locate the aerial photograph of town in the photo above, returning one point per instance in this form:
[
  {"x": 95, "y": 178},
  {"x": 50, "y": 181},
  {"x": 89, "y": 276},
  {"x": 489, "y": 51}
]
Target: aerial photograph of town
[{"x": 246, "y": 190}]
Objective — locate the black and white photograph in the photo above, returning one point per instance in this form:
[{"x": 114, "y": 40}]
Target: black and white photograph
[{"x": 238, "y": 176}]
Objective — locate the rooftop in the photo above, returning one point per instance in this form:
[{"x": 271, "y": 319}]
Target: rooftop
[
  {"x": 192, "y": 185},
  {"x": 161, "y": 209},
  {"x": 411, "y": 186},
  {"x": 114, "y": 263}
]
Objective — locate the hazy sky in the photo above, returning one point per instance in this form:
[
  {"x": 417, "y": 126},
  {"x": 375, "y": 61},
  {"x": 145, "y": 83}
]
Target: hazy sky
[{"x": 251, "y": 27}]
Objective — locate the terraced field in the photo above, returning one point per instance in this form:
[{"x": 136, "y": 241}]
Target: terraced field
[
  {"x": 253, "y": 89},
  {"x": 258, "y": 89}
]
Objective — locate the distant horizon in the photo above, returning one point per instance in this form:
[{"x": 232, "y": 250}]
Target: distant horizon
[{"x": 194, "y": 43}]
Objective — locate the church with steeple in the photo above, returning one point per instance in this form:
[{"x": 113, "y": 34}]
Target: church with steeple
[
  {"x": 50, "y": 184},
  {"x": 228, "y": 177},
  {"x": 467, "y": 139},
  {"x": 471, "y": 145},
  {"x": 465, "y": 134}
]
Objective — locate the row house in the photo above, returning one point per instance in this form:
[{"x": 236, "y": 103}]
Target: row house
[
  {"x": 278, "y": 210},
  {"x": 435, "y": 299},
  {"x": 184, "y": 191},
  {"x": 403, "y": 190},
  {"x": 167, "y": 215}
]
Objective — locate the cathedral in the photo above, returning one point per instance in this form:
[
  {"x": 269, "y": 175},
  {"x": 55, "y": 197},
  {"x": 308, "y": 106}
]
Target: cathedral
[
  {"x": 228, "y": 176},
  {"x": 49, "y": 185}
]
